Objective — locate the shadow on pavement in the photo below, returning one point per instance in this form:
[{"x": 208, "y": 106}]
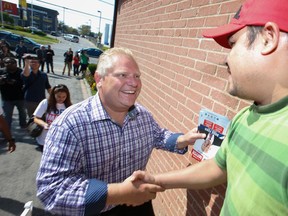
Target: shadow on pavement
[{"x": 18, "y": 170}]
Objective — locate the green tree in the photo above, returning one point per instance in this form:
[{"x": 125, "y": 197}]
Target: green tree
[
  {"x": 62, "y": 27},
  {"x": 85, "y": 30},
  {"x": 7, "y": 18}
]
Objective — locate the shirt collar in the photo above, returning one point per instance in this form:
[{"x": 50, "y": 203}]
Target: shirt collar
[
  {"x": 99, "y": 112},
  {"x": 271, "y": 107}
]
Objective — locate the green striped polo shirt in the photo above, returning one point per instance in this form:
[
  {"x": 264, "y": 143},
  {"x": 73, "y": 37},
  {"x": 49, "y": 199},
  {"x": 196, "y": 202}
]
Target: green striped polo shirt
[{"x": 255, "y": 156}]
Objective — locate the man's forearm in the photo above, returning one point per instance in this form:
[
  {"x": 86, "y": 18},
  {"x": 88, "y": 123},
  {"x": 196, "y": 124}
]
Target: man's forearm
[
  {"x": 26, "y": 70},
  {"x": 199, "y": 176}
]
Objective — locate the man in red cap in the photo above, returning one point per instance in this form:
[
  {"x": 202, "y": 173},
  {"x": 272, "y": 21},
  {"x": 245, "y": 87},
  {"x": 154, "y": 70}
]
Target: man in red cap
[{"x": 253, "y": 157}]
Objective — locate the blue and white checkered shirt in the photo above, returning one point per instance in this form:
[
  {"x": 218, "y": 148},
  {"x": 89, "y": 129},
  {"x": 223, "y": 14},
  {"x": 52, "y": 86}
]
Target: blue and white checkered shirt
[{"x": 85, "y": 150}]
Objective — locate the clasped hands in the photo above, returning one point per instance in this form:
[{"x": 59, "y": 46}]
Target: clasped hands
[{"x": 141, "y": 187}]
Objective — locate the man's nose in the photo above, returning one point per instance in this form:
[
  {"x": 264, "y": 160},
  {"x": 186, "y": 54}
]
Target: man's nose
[{"x": 133, "y": 80}]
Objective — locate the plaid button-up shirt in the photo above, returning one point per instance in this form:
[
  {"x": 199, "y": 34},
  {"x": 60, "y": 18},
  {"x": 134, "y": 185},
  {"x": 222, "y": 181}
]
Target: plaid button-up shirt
[{"x": 85, "y": 150}]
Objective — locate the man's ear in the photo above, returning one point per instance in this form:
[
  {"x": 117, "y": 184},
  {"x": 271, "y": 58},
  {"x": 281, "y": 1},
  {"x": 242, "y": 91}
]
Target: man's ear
[
  {"x": 98, "y": 79},
  {"x": 270, "y": 35}
]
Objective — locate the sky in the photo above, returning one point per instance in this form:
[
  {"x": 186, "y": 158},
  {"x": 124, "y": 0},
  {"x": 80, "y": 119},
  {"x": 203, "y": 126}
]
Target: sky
[{"x": 76, "y": 19}]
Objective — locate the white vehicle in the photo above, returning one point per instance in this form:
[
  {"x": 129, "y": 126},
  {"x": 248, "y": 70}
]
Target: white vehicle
[{"x": 72, "y": 38}]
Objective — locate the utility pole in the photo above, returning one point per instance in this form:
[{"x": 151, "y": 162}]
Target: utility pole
[
  {"x": 1, "y": 14},
  {"x": 99, "y": 33}
]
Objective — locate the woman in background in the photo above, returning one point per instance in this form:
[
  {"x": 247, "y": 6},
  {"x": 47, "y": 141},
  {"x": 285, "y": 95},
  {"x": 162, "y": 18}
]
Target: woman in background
[
  {"x": 76, "y": 64},
  {"x": 51, "y": 108}
]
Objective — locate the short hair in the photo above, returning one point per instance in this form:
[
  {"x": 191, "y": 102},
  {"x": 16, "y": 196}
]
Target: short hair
[
  {"x": 108, "y": 59},
  {"x": 253, "y": 32}
]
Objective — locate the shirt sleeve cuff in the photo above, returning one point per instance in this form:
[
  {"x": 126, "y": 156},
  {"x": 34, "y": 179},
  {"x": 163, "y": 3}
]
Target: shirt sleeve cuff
[
  {"x": 171, "y": 144},
  {"x": 95, "y": 199}
]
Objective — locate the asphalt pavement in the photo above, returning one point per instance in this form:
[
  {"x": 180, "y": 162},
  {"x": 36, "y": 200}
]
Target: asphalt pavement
[{"x": 18, "y": 169}]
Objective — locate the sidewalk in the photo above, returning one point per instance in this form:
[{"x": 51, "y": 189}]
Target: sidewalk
[{"x": 18, "y": 170}]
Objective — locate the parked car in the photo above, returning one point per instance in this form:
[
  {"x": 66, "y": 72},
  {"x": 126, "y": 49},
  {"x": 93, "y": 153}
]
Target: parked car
[
  {"x": 54, "y": 33},
  {"x": 33, "y": 29},
  {"x": 13, "y": 39},
  {"x": 72, "y": 38},
  {"x": 92, "y": 52}
]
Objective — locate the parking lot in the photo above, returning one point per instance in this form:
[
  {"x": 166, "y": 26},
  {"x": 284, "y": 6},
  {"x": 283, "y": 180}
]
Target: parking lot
[{"x": 18, "y": 170}]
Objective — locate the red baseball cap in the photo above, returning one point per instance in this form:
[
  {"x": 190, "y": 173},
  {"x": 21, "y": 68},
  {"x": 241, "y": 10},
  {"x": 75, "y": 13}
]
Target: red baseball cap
[{"x": 252, "y": 12}]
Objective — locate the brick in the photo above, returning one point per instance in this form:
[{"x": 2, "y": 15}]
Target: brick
[{"x": 182, "y": 72}]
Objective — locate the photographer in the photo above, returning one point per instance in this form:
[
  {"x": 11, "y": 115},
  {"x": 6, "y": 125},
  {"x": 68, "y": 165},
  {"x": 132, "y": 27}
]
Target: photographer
[
  {"x": 35, "y": 82},
  {"x": 11, "y": 87}
]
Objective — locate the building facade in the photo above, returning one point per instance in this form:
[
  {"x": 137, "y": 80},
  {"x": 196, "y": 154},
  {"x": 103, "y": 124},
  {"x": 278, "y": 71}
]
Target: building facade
[
  {"x": 182, "y": 72},
  {"x": 43, "y": 18}
]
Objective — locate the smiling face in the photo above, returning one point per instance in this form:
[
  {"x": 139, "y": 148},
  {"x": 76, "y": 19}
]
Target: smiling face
[{"x": 119, "y": 89}]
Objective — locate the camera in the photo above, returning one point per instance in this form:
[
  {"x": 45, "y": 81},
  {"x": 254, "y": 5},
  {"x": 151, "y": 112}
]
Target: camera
[
  {"x": 4, "y": 77},
  {"x": 30, "y": 56}
]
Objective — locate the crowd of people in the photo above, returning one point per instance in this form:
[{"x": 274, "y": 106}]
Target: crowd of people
[
  {"x": 96, "y": 151},
  {"x": 25, "y": 88},
  {"x": 24, "y": 85},
  {"x": 79, "y": 61}
]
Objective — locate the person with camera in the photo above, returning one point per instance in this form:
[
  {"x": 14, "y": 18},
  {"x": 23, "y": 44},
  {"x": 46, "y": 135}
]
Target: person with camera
[
  {"x": 35, "y": 83},
  {"x": 11, "y": 87}
]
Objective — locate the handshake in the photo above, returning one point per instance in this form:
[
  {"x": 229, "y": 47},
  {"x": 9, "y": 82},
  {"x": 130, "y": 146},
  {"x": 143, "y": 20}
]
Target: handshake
[
  {"x": 137, "y": 189},
  {"x": 141, "y": 186}
]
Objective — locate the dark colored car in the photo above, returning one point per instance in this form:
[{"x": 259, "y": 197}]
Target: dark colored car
[
  {"x": 13, "y": 40},
  {"x": 54, "y": 33},
  {"x": 92, "y": 52}
]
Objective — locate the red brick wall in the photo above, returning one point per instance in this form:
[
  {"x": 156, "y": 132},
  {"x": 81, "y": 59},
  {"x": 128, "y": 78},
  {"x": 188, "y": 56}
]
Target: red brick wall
[{"x": 181, "y": 73}]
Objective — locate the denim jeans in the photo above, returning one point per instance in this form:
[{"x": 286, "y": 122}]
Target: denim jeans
[{"x": 8, "y": 107}]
